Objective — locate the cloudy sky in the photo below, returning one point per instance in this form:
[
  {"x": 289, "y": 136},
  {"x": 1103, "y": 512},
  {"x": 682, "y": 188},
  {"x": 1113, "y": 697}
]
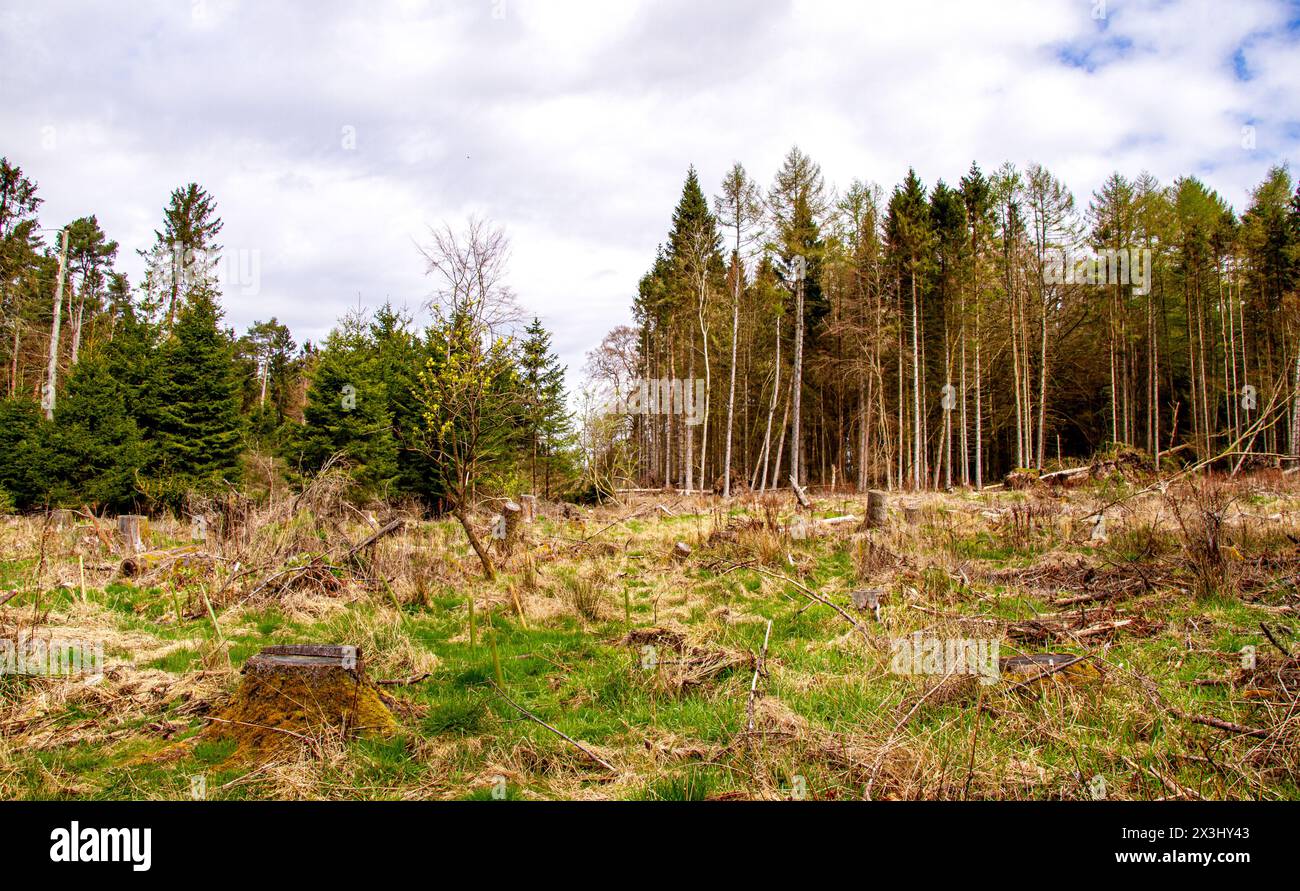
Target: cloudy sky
[{"x": 334, "y": 134}]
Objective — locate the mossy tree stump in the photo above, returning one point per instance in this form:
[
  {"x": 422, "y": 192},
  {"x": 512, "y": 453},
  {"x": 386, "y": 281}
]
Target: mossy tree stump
[{"x": 295, "y": 694}]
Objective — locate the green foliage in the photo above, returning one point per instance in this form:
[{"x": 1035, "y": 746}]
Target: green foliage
[
  {"x": 469, "y": 392},
  {"x": 199, "y": 432},
  {"x": 347, "y": 411},
  {"x": 20, "y": 426},
  {"x": 93, "y": 450},
  {"x": 546, "y": 423}
]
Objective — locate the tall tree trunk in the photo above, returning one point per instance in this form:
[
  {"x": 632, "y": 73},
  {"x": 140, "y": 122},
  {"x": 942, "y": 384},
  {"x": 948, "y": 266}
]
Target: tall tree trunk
[
  {"x": 731, "y": 390},
  {"x": 797, "y": 384}
]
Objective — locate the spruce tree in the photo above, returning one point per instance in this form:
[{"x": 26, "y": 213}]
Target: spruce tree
[
  {"x": 399, "y": 354},
  {"x": 199, "y": 434},
  {"x": 93, "y": 451},
  {"x": 21, "y": 477},
  {"x": 545, "y": 418},
  {"x": 347, "y": 412}
]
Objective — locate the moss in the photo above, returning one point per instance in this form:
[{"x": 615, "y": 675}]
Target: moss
[{"x": 281, "y": 705}]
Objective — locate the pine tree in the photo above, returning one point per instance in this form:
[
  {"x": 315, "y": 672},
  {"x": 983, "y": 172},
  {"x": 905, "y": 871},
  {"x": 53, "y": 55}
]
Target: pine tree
[
  {"x": 798, "y": 202},
  {"x": 19, "y": 259},
  {"x": 199, "y": 432},
  {"x": 696, "y": 263},
  {"x": 93, "y": 450},
  {"x": 20, "y": 431},
  {"x": 545, "y": 418},
  {"x": 183, "y": 260},
  {"x": 347, "y": 411},
  {"x": 399, "y": 354}
]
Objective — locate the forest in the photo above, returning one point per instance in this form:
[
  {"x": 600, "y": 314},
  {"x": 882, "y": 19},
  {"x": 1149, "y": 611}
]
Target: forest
[
  {"x": 942, "y": 335},
  {"x": 126, "y": 396},
  {"x": 971, "y": 491}
]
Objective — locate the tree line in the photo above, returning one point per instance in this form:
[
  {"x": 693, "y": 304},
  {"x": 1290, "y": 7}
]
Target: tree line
[
  {"x": 138, "y": 397},
  {"x": 946, "y": 335}
]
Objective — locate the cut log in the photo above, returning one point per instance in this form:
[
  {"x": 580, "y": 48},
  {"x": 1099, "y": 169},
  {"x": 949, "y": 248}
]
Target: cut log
[
  {"x": 877, "y": 508},
  {"x": 838, "y": 521},
  {"x": 866, "y": 599},
  {"x": 1057, "y": 476},
  {"x": 140, "y": 563},
  {"x": 132, "y": 533}
]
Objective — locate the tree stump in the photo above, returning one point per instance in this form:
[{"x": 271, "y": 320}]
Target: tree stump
[
  {"x": 62, "y": 519},
  {"x": 133, "y": 530},
  {"x": 529, "y": 504},
  {"x": 513, "y": 515},
  {"x": 912, "y": 513},
  {"x": 877, "y": 508},
  {"x": 291, "y": 694},
  {"x": 681, "y": 551}
]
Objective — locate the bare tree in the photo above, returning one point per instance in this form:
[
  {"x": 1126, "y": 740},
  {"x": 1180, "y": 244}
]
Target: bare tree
[
  {"x": 469, "y": 413},
  {"x": 739, "y": 208}
]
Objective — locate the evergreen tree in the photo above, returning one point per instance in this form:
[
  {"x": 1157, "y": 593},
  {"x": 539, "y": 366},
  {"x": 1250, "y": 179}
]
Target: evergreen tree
[
  {"x": 183, "y": 260},
  {"x": 92, "y": 451},
  {"x": 399, "y": 354},
  {"x": 545, "y": 419},
  {"x": 199, "y": 429},
  {"x": 21, "y": 476},
  {"x": 347, "y": 410}
]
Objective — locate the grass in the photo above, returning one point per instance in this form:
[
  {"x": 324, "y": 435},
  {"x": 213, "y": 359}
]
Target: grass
[{"x": 830, "y": 721}]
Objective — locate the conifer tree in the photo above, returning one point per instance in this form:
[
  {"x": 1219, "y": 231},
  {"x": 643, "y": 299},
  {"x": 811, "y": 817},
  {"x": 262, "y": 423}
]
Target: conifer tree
[
  {"x": 545, "y": 418},
  {"x": 92, "y": 451},
  {"x": 199, "y": 432},
  {"x": 347, "y": 411}
]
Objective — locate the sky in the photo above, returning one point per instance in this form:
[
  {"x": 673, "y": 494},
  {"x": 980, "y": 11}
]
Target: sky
[{"x": 333, "y": 135}]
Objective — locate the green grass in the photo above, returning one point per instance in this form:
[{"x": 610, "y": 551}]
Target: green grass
[{"x": 573, "y": 673}]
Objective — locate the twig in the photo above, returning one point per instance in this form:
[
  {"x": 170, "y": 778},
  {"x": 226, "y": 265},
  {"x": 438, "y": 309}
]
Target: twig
[
  {"x": 1273, "y": 640},
  {"x": 753, "y": 685},
  {"x": 817, "y": 597},
  {"x": 560, "y": 733},
  {"x": 404, "y": 682},
  {"x": 1223, "y": 725}
]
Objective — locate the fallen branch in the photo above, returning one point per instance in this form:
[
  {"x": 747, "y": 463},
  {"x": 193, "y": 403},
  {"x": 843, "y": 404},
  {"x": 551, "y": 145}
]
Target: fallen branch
[
  {"x": 807, "y": 592},
  {"x": 404, "y": 682},
  {"x": 1223, "y": 725},
  {"x": 1273, "y": 640},
  {"x": 386, "y": 530},
  {"x": 560, "y": 733}
]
